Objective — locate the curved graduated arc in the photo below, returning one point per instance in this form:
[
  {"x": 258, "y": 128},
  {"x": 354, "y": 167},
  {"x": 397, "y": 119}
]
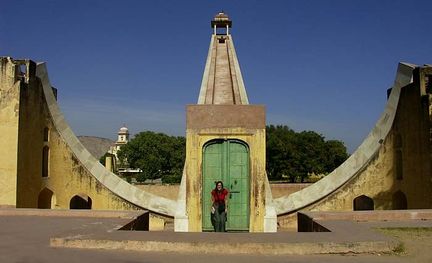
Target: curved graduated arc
[
  {"x": 111, "y": 181},
  {"x": 357, "y": 161}
]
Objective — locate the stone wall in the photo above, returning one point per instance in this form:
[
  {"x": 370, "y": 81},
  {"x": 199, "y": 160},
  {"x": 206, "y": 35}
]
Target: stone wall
[
  {"x": 400, "y": 169},
  {"x": 171, "y": 191},
  {"x": 9, "y": 111},
  {"x": 211, "y": 122},
  {"x": 33, "y": 118},
  {"x": 25, "y": 121},
  {"x": 279, "y": 190}
]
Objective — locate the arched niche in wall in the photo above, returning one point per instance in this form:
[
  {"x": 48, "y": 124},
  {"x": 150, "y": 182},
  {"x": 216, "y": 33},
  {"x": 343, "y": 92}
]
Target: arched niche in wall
[
  {"x": 80, "y": 201},
  {"x": 363, "y": 202},
  {"x": 46, "y": 134},
  {"x": 399, "y": 201},
  {"x": 45, "y": 161},
  {"x": 46, "y": 199}
]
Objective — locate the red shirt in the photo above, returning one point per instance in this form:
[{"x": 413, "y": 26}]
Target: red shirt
[{"x": 219, "y": 196}]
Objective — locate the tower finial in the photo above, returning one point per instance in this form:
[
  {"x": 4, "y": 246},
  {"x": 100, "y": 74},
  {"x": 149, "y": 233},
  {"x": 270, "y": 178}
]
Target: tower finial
[{"x": 221, "y": 20}]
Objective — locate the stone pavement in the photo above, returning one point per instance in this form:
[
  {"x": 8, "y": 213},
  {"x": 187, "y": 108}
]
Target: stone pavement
[
  {"x": 27, "y": 239},
  {"x": 283, "y": 243}
]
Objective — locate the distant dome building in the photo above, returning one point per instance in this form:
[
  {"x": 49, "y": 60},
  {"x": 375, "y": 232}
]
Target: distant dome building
[
  {"x": 122, "y": 139},
  {"x": 112, "y": 163}
]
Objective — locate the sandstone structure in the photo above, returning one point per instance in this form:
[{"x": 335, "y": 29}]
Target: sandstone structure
[
  {"x": 44, "y": 165},
  {"x": 391, "y": 169},
  {"x": 225, "y": 140}
]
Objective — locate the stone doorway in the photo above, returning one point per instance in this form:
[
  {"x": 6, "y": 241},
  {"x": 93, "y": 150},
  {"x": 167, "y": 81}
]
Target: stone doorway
[{"x": 227, "y": 161}]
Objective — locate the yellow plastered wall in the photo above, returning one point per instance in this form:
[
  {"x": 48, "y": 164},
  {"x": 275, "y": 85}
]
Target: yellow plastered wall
[
  {"x": 23, "y": 117},
  {"x": 378, "y": 180},
  {"x": 32, "y": 121},
  {"x": 68, "y": 177},
  {"x": 195, "y": 140},
  {"x": 9, "y": 118}
]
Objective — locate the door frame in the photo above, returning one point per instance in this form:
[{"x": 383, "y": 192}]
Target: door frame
[{"x": 216, "y": 140}]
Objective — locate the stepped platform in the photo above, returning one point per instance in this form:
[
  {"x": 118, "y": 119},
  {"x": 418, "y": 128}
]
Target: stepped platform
[{"x": 339, "y": 233}]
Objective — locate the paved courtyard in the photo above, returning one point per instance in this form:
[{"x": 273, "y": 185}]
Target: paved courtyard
[{"x": 27, "y": 239}]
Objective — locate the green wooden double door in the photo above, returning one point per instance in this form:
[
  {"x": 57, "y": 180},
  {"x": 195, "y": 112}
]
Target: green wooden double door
[{"x": 227, "y": 161}]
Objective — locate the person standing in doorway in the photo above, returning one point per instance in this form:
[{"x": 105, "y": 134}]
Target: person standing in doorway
[{"x": 219, "y": 197}]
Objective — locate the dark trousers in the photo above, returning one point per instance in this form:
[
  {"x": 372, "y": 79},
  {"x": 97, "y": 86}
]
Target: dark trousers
[{"x": 219, "y": 220}]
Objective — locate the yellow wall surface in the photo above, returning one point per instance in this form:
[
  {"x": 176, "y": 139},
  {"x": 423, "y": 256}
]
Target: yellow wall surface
[
  {"x": 410, "y": 135},
  {"x": 195, "y": 141},
  {"x": 284, "y": 189},
  {"x": 9, "y": 112},
  {"x": 24, "y": 116},
  {"x": 68, "y": 177},
  {"x": 167, "y": 191},
  {"x": 33, "y": 116}
]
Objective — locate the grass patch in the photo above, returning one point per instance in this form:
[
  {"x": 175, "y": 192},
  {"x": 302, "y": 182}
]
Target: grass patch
[
  {"x": 406, "y": 229},
  {"x": 407, "y": 237},
  {"x": 399, "y": 249}
]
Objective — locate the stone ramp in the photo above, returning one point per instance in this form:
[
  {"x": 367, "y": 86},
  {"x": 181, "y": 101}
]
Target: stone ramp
[
  {"x": 222, "y": 81},
  {"x": 358, "y": 161},
  {"x": 126, "y": 191}
]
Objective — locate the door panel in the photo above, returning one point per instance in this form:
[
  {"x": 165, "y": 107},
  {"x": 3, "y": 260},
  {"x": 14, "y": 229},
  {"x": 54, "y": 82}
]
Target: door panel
[
  {"x": 238, "y": 171},
  {"x": 227, "y": 161},
  {"x": 212, "y": 169}
]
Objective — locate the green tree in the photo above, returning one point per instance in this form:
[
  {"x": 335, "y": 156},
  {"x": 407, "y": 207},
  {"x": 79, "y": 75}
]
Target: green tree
[
  {"x": 156, "y": 154},
  {"x": 280, "y": 150},
  {"x": 311, "y": 148},
  {"x": 294, "y": 156},
  {"x": 290, "y": 155},
  {"x": 336, "y": 154}
]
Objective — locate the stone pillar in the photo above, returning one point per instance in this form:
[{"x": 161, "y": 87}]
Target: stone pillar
[
  {"x": 108, "y": 163},
  {"x": 181, "y": 219}
]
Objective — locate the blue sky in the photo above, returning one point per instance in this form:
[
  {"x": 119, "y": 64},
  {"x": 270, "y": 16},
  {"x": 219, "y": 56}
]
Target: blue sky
[{"x": 316, "y": 65}]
